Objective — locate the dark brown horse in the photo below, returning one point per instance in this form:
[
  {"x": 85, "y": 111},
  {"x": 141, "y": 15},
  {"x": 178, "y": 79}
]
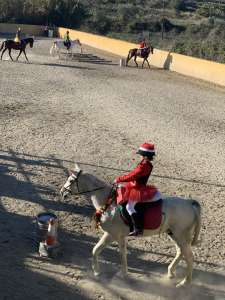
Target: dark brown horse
[
  {"x": 143, "y": 53},
  {"x": 10, "y": 44}
]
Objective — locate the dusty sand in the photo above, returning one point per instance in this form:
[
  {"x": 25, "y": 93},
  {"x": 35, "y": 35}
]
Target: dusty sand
[{"x": 57, "y": 112}]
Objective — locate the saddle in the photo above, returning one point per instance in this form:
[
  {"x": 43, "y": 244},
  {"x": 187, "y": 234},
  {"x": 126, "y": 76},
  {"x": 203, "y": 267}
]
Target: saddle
[
  {"x": 143, "y": 52},
  {"x": 149, "y": 212},
  {"x": 67, "y": 44}
]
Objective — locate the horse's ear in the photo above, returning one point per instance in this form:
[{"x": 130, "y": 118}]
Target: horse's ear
[
  {"x": 71, "y": 172},
  {"x": 77, "y": 168}
]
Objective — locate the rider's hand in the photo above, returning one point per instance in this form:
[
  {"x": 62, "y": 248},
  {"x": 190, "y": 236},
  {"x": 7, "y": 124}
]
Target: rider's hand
[{"x": 115, "y": 181}]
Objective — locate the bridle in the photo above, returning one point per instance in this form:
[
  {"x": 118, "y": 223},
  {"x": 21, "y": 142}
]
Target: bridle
[
  {"x": 110, "y": 199},
  {"x": 75, "y": 177}
]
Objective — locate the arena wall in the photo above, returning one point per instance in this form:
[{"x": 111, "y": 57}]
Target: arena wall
[
  {"x": 186, "y": 65},
  {"x": 35, "y": 30}
]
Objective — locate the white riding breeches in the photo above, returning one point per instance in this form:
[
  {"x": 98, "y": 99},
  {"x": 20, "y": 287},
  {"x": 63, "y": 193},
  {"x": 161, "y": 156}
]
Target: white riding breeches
[
  {"x": 130, "y": 207},
  {"x": 131, "y": 204}
]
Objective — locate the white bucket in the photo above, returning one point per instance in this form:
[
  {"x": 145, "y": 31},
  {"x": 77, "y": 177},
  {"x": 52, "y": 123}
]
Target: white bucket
[
  {"x": 42, "y": 222},
  {"x": 122, "y": 62}
]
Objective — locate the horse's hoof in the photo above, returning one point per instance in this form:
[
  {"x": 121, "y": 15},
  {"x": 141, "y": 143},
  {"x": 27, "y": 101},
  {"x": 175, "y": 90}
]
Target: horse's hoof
[
  {"x": 170, "y": 275},
  {"x": 183, "y": 283},
  {"x": 122, "y": 274}
]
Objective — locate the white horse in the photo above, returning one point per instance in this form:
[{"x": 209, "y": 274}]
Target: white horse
[
  {"x": 58, "y": 46},
  {"x": 181, "y": 220}
]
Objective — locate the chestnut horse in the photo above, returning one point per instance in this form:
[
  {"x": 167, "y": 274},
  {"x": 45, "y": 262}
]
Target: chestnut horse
[
  {"x": 143, "y": 53},
  {"x": 10, "y": 44}
]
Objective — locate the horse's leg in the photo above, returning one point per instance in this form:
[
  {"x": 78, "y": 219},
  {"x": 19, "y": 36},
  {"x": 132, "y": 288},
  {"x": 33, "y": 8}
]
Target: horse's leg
[
  {"x": 52, "y": 50},
  {"x": 3, "y": 52},
  {"x": 58, "y": 53},
  {"x": 174, "y": 263},
  {"x": 123, "y": 254},
  {"x": 10, "y": 54},
  {"x": 148, "y": 63},
  {"x": 188, "y": 257},
  {"x": 19, "y": 55},
  {"x": 135, "y": 60},
  {"x": 102, "y": 243},
  {"x": 67, "y": 54},
  {"x": 128, "y": 58},
  {"x": 25, "y": 54},
  {"x": 143, "y": 62}
]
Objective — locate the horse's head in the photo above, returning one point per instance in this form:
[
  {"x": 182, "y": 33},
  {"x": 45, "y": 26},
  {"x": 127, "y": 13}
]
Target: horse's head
[
  {"x": 77, "y": 41},
  {"x": 31, "y": 42},
  {"x": 82, "y": 183},
  {"x": 71, "y": 185},
  {"x": 151, "y": 49}
]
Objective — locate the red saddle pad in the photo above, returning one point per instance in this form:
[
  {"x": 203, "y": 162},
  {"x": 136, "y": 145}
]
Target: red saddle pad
[{"x": 153, "y": 216}]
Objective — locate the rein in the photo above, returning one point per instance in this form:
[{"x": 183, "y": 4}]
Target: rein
[
  {"x": 99, "y": 212},
  {"x": 88, "y": 191}
]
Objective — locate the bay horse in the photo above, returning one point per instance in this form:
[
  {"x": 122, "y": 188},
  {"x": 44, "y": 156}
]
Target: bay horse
[
  {"x": 181, "y": 221},
  {"x": 143, "y": 53},
  {"x": 10, "y": 44}
]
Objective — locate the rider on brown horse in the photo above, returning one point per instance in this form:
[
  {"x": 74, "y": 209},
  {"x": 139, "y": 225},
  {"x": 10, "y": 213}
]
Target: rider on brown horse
[
  {"x": 141, "y": 52},
  {"x": 18, "y": 36},
  {"x": 143, "y": 46},
  {"x": 20, "y": 46}
]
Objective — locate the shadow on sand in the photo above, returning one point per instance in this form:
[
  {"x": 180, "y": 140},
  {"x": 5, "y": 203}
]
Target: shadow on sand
[{"x": 26, "y": 276}]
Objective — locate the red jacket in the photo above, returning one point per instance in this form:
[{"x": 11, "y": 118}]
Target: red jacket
[
  {"x": 137, "y": 189},
  {"x": 142, "y": 45},
  {"x": 140, "y": 175}
]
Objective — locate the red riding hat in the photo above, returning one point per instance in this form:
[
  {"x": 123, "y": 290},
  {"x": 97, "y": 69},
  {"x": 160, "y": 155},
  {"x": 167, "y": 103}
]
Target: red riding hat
[{"x": 146, "y": 149}]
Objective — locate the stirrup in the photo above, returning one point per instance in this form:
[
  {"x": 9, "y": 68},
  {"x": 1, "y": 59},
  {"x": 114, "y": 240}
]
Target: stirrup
[{"x": 135, "y": 232}]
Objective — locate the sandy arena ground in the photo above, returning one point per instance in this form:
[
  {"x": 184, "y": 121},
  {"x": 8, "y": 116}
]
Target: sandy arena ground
[{"x": 89, "y": 110}]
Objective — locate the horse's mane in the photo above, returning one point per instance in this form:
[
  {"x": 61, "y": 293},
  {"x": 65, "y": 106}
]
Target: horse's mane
[{"x": 96, "y": 181}]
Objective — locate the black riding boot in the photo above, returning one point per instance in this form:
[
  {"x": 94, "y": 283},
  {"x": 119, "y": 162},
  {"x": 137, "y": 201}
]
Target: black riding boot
[{"x": 137, "y": 223}]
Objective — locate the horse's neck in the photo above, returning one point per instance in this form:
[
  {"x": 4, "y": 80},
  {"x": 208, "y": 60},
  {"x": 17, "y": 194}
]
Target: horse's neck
[{"x": 99, "y": 197}]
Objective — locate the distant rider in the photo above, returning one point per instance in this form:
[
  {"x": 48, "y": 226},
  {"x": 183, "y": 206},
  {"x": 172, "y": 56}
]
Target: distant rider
[
  {"x": 136, "y": 190},
  {"x": 18, "y": 36},
  {"x": 67, "y": 40},
  {"x": 142, "y": 46}
]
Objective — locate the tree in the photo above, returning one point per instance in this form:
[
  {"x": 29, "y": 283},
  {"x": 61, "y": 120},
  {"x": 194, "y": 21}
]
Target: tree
[{"x": 179, "y": 5}]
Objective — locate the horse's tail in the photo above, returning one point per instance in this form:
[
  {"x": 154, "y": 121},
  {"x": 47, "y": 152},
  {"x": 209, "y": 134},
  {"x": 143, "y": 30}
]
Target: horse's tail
[
  {"x": 52, "y": 49},
  {"x": 128, "y": 56},
  {"x": 81, "y": 48},
  {"x": 2, "y": 46},
  {"x": 197, "y": 210}
]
